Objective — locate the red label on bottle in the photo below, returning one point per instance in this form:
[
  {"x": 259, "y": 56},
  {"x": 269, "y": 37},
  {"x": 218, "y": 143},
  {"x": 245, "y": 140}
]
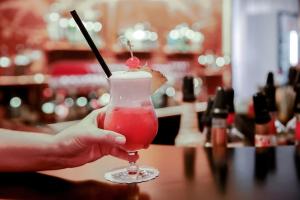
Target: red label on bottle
[
  {"x": 230, "y": 118},
  {"x": 297, "y": 132},
  {"x": 272, "y": 128},
  {"x": 264, "y": 140}
]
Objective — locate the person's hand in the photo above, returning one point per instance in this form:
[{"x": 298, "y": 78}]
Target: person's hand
[{"x": 85, "y": 142}]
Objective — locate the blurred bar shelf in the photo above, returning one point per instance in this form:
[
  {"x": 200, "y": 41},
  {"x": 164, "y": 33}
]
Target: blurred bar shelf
[
  {"x": 64, "y": 45},
  {"x": 35, "y": 79}
]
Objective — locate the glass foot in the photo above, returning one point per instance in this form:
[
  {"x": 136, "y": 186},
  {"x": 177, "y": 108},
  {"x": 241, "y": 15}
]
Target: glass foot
[{"x": 121, "y": 175}]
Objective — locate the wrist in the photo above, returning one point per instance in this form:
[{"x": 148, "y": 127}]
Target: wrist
[
  {"x": 61, "y": 152},
  {"x": 50, "y": 153}
]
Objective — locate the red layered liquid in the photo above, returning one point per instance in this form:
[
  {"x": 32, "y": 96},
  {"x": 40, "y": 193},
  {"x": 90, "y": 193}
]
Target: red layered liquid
[{"x": 138, "y": 125}]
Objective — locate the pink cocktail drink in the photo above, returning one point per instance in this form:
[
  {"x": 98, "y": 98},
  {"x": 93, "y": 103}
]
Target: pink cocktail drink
[
  {"x": 137, "y": 124},
  {"x": 131, "y": 113}
]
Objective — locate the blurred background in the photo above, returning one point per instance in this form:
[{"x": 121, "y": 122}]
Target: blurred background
[{"x": 48, "y": 73}]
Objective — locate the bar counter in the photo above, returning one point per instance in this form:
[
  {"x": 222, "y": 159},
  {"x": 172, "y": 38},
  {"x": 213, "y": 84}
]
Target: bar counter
[{"x": 185, "y": 173}]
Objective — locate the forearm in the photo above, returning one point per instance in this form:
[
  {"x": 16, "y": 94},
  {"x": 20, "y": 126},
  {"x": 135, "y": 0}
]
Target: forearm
[
  {"x": 25, "y": 151},
  {"x": 76, "y": 145}
]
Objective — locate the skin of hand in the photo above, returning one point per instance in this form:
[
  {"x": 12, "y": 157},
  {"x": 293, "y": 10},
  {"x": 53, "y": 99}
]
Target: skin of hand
[
  {"x": 84, "y": 142},
  {"x": 74, "y": 146}
]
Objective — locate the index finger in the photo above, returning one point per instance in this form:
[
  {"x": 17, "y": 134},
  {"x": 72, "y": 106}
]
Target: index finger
[{"x": 92, "y": 117}]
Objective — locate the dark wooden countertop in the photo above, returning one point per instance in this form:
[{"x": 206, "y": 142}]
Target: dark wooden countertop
[{"x": 185, "y": 173}]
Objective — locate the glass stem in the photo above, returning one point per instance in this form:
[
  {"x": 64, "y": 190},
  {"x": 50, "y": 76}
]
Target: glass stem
[{"x": 133, "y": 168}]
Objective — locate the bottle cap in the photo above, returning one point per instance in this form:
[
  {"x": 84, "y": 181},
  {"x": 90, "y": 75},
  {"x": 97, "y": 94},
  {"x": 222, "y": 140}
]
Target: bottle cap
[
  {"x": 292, "y": 76},
  {"x": 229, "y": 93},
  {"x": 270, "y": 92},
  {"x": 297, "y": 100},
  {"x": 207, "y": 115},
  {"x": 270, "y": 79},
  {"x": 261, "y": 111},
  {"x": 188, "y": 89},
  {"x": 219, "y": 109}
]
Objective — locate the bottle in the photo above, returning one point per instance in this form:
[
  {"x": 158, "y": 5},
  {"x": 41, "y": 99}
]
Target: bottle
[
  {"x": 270, "y": 92},
  {"x": 285, "y": 96},
  {"x": 292, "y": 75},
  {"x": 219, "y": 117},
  {"x": 229, "y": 93},
  {"x": 189, "y": 134},
  {"x": 234, "y": 135},
  {"x": 262, "y": 119}
]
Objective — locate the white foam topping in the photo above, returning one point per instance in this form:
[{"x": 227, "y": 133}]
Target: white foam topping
[{"x": 130, "y": 75}]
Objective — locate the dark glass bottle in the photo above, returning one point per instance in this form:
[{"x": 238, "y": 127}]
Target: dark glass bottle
[
  {"x": 189, "y": 134},
  {"x": 219, "y": 116},
  {"x": 262, "y": 119},
  {"x": 270, "y": 92}
]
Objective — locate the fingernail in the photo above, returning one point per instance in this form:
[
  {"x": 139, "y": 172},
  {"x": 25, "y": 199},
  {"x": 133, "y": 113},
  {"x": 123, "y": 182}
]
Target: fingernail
[{"x": 120, "y": 140}]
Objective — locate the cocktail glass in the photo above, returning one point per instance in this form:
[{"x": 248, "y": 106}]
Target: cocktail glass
[{"x": 131, "y": 113}]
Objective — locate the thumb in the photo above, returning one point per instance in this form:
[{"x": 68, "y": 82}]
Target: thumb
[{"x": 105, "y": 136}]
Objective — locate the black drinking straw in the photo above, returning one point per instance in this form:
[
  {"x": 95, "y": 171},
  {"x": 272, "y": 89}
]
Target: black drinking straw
[{"x": 90, "y": 42}]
